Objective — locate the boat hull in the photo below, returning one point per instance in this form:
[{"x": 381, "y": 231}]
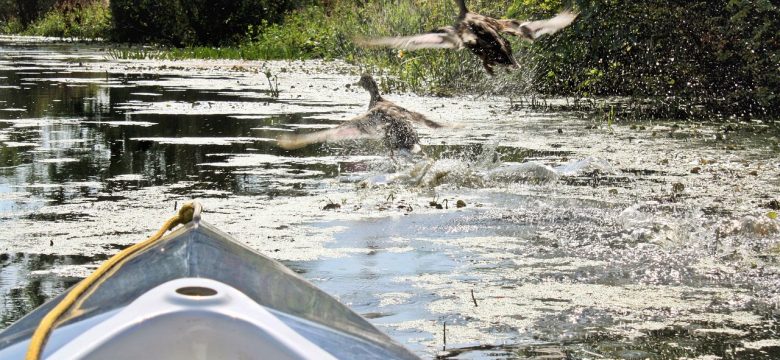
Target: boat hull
[{"x": 200, "y": 252}]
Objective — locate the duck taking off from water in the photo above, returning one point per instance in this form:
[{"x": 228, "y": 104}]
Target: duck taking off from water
[
  {"x": 384, "y": 119},
  {"x": 480, "y": 34}
]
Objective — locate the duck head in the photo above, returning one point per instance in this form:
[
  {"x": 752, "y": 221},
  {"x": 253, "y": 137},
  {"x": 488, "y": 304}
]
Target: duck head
[
  {"x": 462, "y": 8},
  {"x": 367, "y": 82}
]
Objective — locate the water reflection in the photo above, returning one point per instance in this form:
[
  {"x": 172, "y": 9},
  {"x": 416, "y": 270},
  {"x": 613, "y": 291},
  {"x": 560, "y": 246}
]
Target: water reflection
[
  {"x": 75, "y": 127},
  {"x": 25, "y": 282}
]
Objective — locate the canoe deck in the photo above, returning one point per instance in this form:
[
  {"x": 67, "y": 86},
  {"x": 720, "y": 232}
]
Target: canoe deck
[{"x": 199, "y": 250}]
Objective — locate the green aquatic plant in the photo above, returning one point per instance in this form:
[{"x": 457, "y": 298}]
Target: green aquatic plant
[
  {"x": 273, "y": 83},
  {"x": 607, "y": 116},
  {"x": 140, "y": 53}
]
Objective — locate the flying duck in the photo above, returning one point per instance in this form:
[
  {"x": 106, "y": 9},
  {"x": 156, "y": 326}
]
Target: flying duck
[{"x": 480, "y": 34}]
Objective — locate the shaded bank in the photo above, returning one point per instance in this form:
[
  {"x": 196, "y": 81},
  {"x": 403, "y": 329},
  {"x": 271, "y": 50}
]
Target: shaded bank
[{"x": 681, "y": 58}]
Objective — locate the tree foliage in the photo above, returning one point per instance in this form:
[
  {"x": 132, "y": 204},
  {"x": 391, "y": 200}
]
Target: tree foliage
[
  {"x": 723, "y": 55},
  {"x": 191, "y": 22},
  {"x": 23, "y": 11}
]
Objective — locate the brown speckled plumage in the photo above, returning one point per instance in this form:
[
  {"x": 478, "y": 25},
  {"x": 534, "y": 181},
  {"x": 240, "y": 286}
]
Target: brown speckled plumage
[
  {"x": 383, "y": 119},
  {"x": 482, "y": 35}
]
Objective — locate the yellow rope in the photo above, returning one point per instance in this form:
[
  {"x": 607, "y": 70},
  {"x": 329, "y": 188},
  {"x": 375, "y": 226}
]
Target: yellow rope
[{"x": 41, "y": 334}]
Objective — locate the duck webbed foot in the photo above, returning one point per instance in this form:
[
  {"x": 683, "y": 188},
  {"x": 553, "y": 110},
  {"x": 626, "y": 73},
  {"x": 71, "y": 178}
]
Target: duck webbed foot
[{"x": 392, "y": 157}]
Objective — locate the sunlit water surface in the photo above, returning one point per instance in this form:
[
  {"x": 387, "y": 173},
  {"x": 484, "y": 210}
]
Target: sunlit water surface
[{"x": 578, "y": 239}]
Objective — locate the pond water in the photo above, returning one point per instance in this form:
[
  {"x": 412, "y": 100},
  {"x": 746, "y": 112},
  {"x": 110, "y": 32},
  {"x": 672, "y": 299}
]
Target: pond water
[{"x": 580, "y": 238}]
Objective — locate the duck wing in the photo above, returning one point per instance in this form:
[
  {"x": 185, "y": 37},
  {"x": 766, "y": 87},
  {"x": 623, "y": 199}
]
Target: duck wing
[
  {"x": 531, "y": 30},
  {"x": 393, "y": 111},
  {"x": 367, "y": 125},
  {"x": 442, "y": 38}
]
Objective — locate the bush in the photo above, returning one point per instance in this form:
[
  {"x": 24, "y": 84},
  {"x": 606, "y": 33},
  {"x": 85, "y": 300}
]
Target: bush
[
  {"x": 15, "y": 15},
  {"x": 11, "y": 26},
  {"x": 84, "y": 20},
  {"x": 296, "y": 38},
  {"x": 721, "y": 55}
]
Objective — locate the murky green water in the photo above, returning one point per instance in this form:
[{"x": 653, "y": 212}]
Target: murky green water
[{"x": 646, "y": 240}]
